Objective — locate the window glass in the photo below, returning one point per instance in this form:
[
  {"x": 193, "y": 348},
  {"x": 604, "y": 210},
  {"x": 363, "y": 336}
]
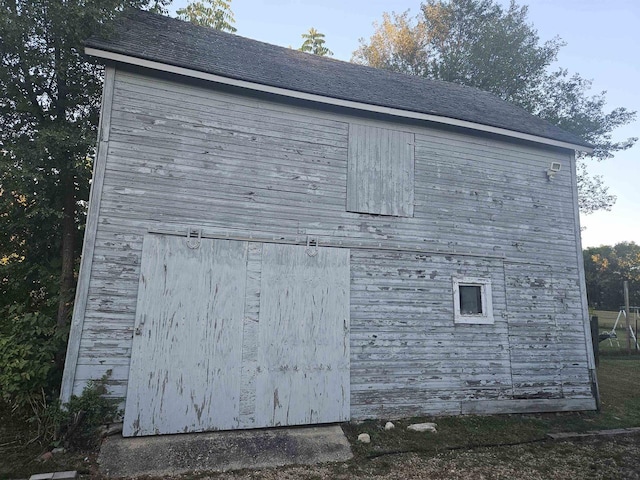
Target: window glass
[{"x": 470, "y": 299}]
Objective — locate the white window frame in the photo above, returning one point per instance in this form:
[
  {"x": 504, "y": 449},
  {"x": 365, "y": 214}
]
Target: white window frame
[{"x": 484, "y": 318}]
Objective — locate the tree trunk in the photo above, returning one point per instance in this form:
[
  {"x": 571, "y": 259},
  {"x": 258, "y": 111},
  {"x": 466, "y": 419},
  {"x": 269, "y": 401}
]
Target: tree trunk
[
  {"x": 68, "y": 192},
  {"x": 68, "y": 248}
]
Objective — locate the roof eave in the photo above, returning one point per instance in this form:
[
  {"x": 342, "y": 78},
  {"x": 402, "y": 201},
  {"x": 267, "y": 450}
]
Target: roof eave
[{"x": 164, "y": 67}]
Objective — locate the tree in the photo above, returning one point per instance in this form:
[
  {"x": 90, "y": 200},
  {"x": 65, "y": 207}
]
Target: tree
[
  {"x": 159, "y": 6},
  {"x": 480, "y": 44},
  {"x": 606, "y": 268},
  {"x": 49, "y": 101},
  {"x": 564, "y": 101},
  {"x": 217, "y": 15},
  {"x": 314, "y": 43},
  {"x": 397, "y": 44}
]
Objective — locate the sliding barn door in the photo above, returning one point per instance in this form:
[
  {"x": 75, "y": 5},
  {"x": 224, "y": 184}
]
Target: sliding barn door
[
  {"x": 186, "y": 355},
  {"x": 303, "y": 347},
  {"x": 238, "y": 335}
]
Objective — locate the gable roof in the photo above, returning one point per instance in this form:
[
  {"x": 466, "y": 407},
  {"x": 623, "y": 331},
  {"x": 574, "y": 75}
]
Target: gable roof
[{"x": 155, "y": 41}]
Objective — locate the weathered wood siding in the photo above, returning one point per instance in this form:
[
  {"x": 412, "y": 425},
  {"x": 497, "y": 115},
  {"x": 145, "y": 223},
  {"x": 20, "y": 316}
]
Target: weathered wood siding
[
  {"x": 182, "y": 155},
  {"x": 408, "y": 356}
]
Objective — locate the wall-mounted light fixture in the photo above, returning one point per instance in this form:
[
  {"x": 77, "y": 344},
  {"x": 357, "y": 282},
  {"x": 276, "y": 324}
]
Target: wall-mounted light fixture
[{"x": 554, "y": 168}]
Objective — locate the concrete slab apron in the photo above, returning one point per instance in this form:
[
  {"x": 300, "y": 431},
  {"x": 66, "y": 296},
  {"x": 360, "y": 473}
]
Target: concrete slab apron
[{"x": 221, "y": 451}]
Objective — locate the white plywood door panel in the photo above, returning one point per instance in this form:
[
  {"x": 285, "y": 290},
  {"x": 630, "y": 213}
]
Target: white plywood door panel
[
  {"x": 186, "y": 354},
  {"x": 303, "y": 338}
]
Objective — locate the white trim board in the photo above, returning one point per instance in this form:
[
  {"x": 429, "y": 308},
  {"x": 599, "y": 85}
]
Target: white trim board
[
  {"x": 163, "y": 67},
  {"x": 583, "y": 286},
  {"x": 89, "y": 241}
]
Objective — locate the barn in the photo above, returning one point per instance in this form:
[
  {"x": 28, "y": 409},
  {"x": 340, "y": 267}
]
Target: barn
[{"x": 276, "y": 238}]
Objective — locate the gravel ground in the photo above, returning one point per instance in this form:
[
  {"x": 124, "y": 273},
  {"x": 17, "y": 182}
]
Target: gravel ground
[{"x": 593, "y": 458}]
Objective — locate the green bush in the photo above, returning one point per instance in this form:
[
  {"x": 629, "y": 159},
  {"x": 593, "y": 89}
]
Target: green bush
[
  {"x": 75, "y": 425},
  {"x": 29, "y": 342}
]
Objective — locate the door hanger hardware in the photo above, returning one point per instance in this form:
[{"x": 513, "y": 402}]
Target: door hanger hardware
[
  {"x": 138, "y": 330},
  {"x": 194, "y": 237},
  {"x": 312, "y": 246}
]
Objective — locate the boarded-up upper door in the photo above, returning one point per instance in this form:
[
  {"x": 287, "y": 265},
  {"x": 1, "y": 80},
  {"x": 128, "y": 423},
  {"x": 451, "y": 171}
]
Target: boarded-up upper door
[{"x": 186, "y": 355}]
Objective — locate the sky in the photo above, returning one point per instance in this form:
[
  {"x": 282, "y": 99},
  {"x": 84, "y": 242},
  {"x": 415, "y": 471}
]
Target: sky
[{"x": 602, "y": 44}]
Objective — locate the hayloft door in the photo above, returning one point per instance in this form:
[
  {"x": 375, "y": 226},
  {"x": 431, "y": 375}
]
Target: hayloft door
[{"x": 186, "y": 356}]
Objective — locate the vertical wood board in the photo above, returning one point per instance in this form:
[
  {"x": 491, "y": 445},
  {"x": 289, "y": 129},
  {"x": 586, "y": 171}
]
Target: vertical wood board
[
  {"x": 186, "y": 356},
  {"x": 380, "y": 172},
  {"x": 583, "y": 285},
  {"x": 303, "y": 349},
  {"x": 250, "y": 337}
]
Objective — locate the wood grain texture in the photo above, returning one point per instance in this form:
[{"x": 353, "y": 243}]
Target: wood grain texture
[
  {"x": 406, "y": 348},
  {"x": 380, "y": 176},
  {"x": 303, "y": 347},
  {"x": 182, "y": 155},
  {"x": 250, "y": 337},
  {"x": 186, "y": 355},
  {"x": 534, "y": 304},
  {"x": 484, "y": 407}
]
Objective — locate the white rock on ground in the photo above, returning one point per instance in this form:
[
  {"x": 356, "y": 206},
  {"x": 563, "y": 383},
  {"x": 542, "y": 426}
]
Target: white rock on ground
[
  {"x": 423, "y": 427},
  {"x": 389, "y": 426},
  {"x": 364, "y": 438}
]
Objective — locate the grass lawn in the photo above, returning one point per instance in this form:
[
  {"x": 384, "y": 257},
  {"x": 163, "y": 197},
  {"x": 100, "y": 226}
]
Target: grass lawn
[
  {"x": 620, "y": 395},
  {"x": 476, "y": 445},
  {"x": 619, "y": 381}
]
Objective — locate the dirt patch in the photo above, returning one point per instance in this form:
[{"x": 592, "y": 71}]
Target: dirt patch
[
  {"x": 20, "y": 450},
  {"x": 595, "y": 458}
]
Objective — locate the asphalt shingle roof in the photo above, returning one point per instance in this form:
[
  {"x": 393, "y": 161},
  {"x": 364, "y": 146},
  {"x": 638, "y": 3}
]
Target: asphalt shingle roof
[{"x": 174, "y": 42}]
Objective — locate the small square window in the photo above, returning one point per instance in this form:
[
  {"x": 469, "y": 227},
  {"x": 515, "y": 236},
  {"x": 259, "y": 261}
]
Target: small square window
[{"x": 472, "y": 300}]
